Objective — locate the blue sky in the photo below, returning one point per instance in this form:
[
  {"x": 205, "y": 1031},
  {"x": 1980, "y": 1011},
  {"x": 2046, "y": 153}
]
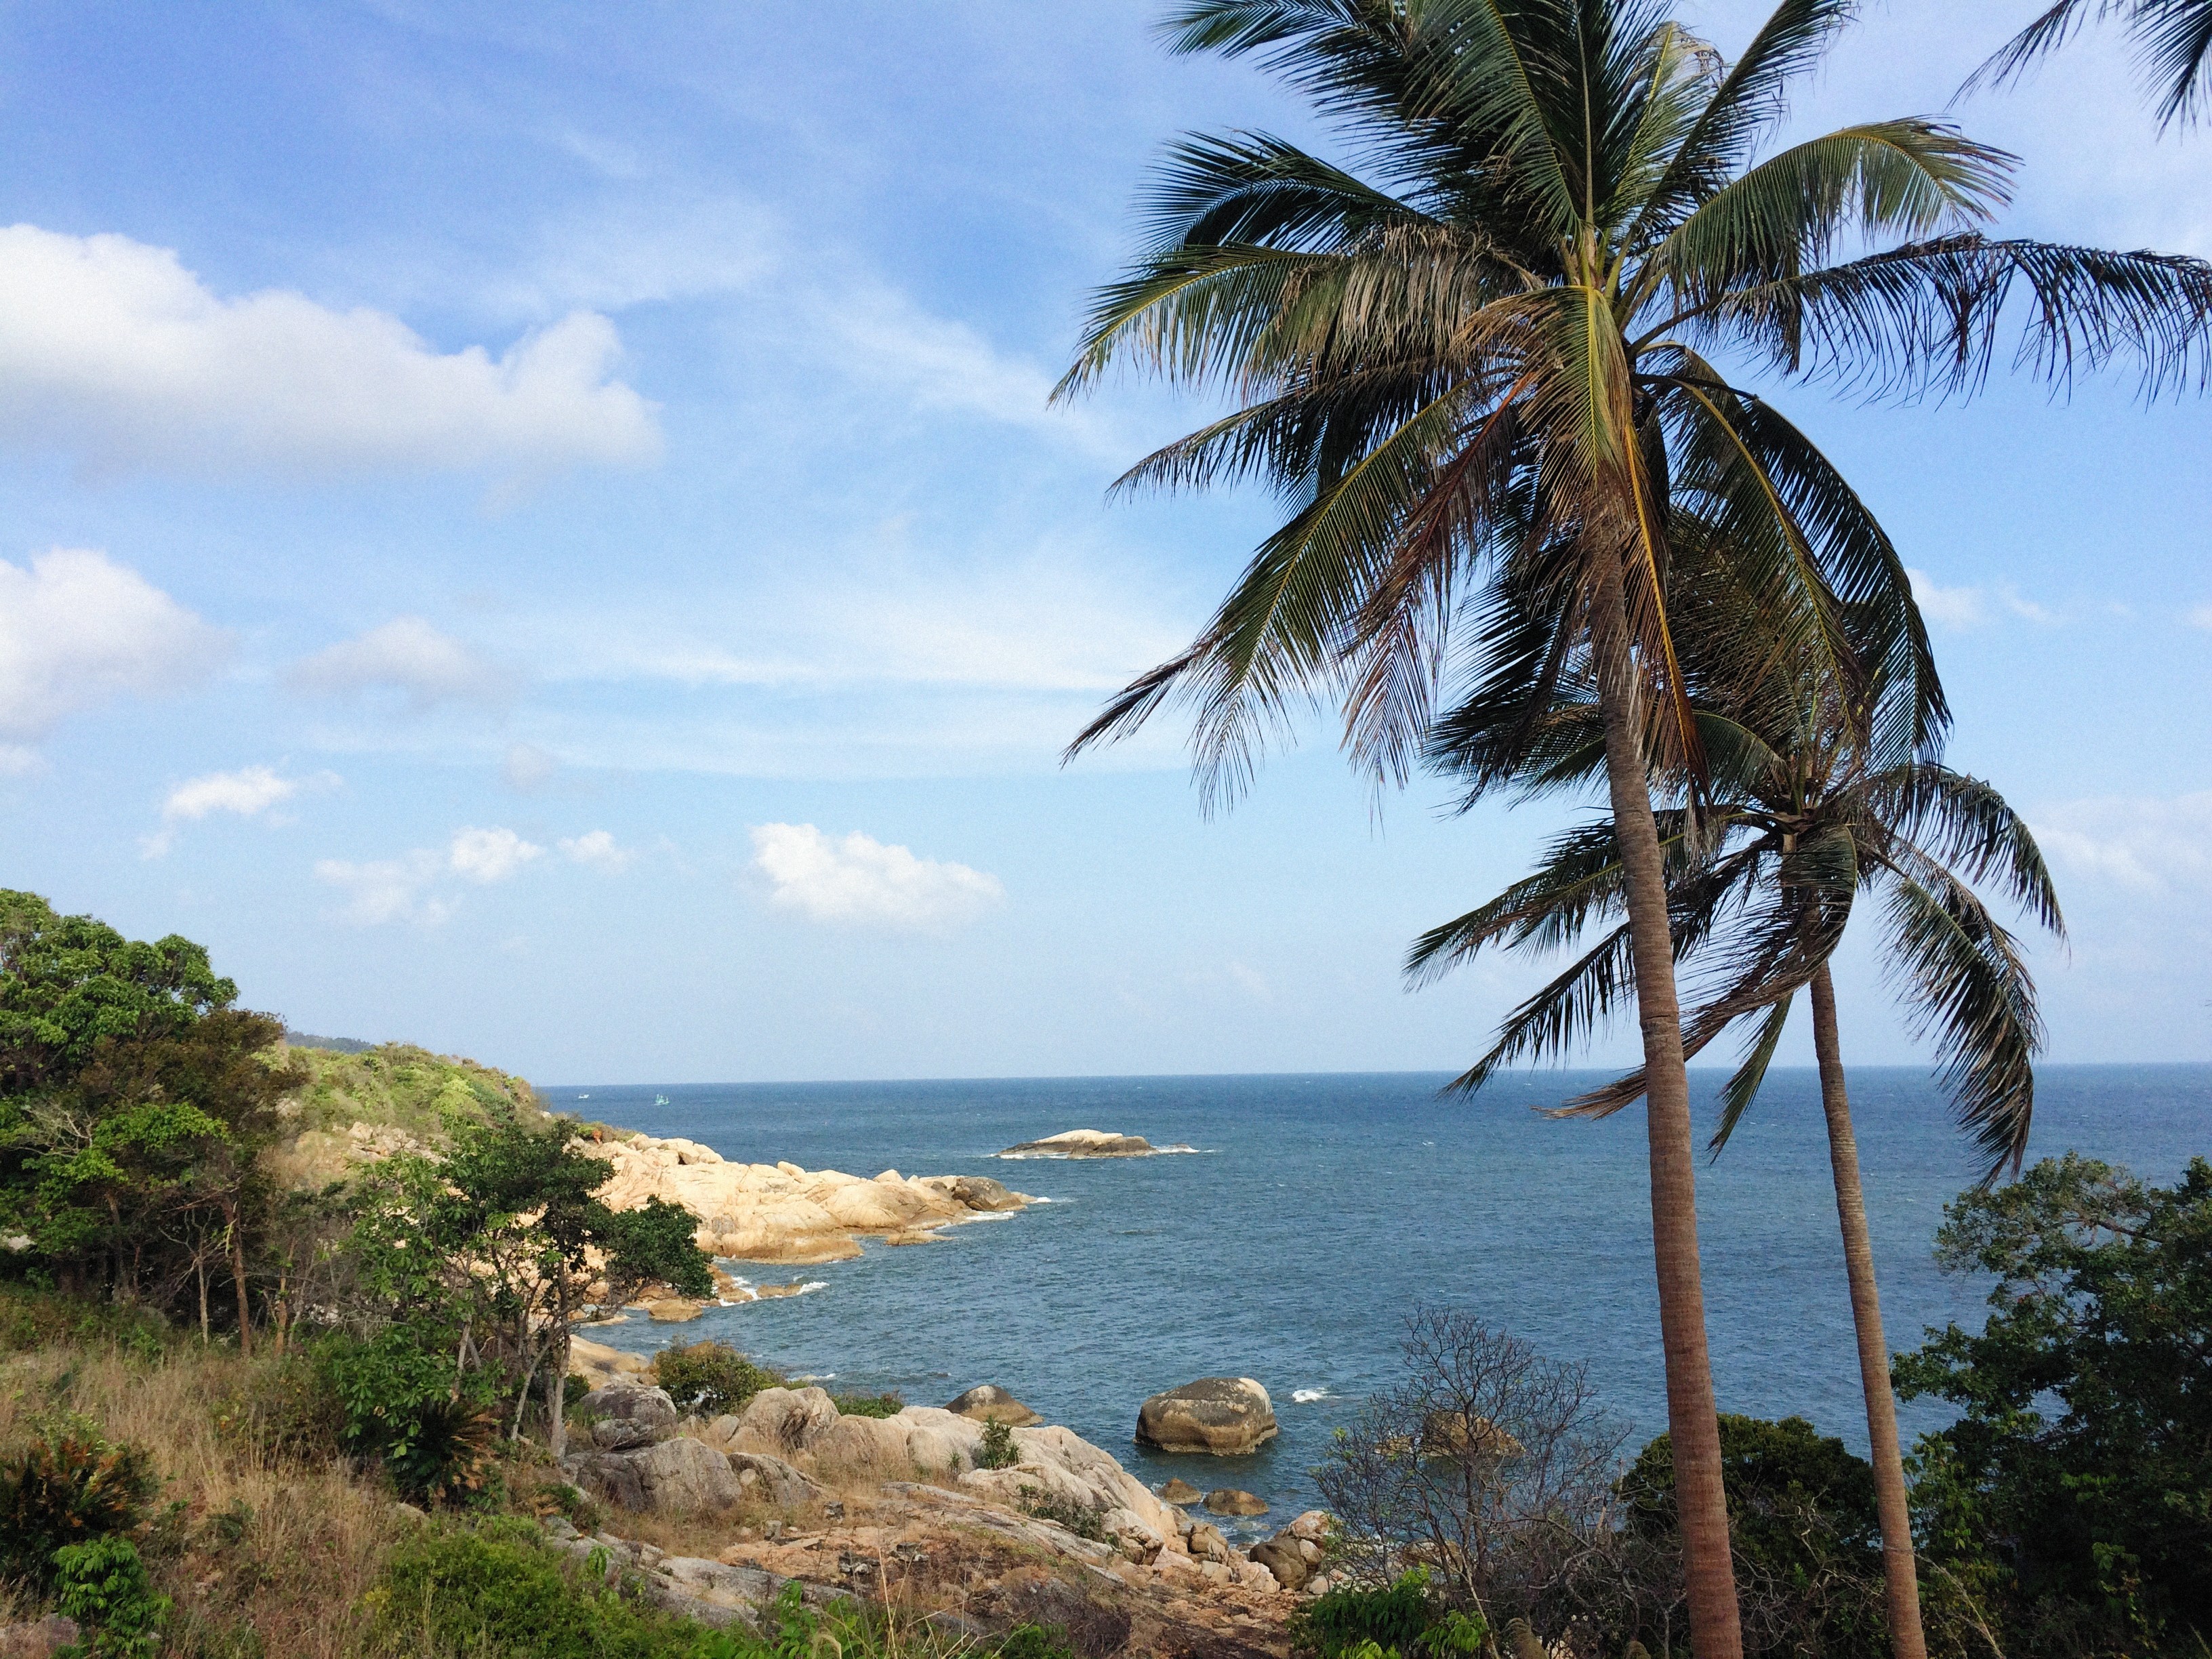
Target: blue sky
[{"x": 537, "y": 530}]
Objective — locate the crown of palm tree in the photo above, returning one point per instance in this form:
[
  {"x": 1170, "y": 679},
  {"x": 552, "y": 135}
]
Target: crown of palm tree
[
  {"x": 2172, "y": 38},
  {"x": 1490, "y": 363},
  {"x": 1807, "y": 810}
]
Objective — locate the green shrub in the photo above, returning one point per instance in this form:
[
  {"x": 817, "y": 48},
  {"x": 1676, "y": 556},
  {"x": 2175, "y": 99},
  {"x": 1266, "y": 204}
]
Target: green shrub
[
  {"x": 711, "y": 1378},
  {"x": 1345, "y": 1623},
  {"x": 69, "y": 1486},
  {"x": 871, "y": 1405},
  {"x": 498, "y": 1594},
  {"x": 400, "y": 1400},
  {"x": 104, "y": 1586},
  {"x": 1079, "y": 1518},
  {"x": 998, "y": 1450},
  {"x": 287, "y": 1409},
  {"x": 1036, "y": 1642},
  {"x": 32, "y": 1318}
]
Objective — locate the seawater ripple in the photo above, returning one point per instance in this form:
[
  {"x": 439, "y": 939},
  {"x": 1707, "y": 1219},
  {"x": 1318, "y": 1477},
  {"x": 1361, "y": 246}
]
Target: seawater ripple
[{"x": 1331, "y": 1205}]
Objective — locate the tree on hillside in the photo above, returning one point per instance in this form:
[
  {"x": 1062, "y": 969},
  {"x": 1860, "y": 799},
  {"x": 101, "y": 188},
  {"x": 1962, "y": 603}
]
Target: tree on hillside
[
  {"x": 1488, "y": 370},
  {"x": 500, "y": 1241},
  {"x": 2077, "y": 1479},
  {"x": 1800, "y": 818}
]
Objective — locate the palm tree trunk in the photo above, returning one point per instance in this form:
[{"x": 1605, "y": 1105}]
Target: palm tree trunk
[
  {"x": 1907, "y": 1641},
  {"x": 1692, "y": 1422}
]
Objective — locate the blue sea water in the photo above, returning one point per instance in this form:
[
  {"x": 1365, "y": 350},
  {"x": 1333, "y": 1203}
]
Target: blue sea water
[{"x": 1321, "y": 1210}]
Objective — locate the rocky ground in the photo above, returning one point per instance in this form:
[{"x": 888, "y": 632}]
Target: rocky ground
[{"x": 717, "y": 1516}]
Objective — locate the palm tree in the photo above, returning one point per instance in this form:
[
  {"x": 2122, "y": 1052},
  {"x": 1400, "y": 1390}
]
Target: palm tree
[
  {"x": 2173, "y": 44},
  {"x": 1803, "y": 815},
  {"x": 1488, "y": 364}
]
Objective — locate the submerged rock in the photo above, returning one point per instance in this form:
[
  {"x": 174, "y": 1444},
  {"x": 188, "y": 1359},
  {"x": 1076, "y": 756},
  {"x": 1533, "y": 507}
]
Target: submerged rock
[
  {"x": 1224, "y": 1415},
  {"x": 988, "y": 1403},
  {"x": 1229, "y": 1500},
  {"x": 1180, "y": 1490}
]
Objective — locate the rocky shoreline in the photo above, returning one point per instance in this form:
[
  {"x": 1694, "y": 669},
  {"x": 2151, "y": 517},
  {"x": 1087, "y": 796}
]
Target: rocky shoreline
[
  {"x": 782, "y": 1214},
  {"x": 907, "y": 1507}
]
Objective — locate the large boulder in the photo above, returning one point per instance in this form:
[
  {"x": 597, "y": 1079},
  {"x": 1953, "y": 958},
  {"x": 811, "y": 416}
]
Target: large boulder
[
  {"x": 1224, "y": 1415},
  {"x": 1283, "y": 1558},
  {"x": 680, "y": 1476},
  {"x": 979, "y": 1193},
  {"x": 988, "y": 1403},
  {"x": 784, "y": 1421},
  {"x": 773, "y": 1481},
  {"x": 627, "y": 1416}
]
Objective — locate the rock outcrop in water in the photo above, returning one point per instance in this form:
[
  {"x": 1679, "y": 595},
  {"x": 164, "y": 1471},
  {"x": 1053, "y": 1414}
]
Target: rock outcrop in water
[
  {"x": 780, "y": 1212},
  {"x": 986, "y": 1403},
  {"x": 1084, "y": 1143},
  {"x": 1223, "y": 1415}
]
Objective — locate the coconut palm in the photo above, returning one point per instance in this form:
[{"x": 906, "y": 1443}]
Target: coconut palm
[
  {"x": 1492, "y": 357},
  {"x": 2172, "y": 39},
  {"x": 1802, "y": 816}
]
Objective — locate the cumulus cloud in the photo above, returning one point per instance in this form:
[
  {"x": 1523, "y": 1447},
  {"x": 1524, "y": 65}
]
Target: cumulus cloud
[
  {"x": 113, "y": 351},
  {"x": 405, "y": 655},
  {"x": 599, "y": 849},
  {"x": 2145, "y": 845},
  {"x": 78, "y": 629},
  {"x": 489, "y": 855},
  {"x": 857, "y": 878},
  {"x": 249, "y": 792},
  {"x": 408, "y": 888}
]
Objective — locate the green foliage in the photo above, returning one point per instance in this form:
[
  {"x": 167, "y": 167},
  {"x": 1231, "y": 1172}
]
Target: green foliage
[
  {"x": 404, "y": 1399},
  {"x": 1079, "y": 1518},
  {"x": 70, "y": 1485},
  {"x": 32, "y": 1318},
  {"x": 103, "y": 1585},
  {"x": 67, "y": 983},
  {"x": 498, "y": 1594},
  {"x": 1350, "y": 1623},
  {"x": 1035, "y": 1642},
  {"x": 871, "y": 1405},
  {"x": 2078, "y": 1475},
  {"x": 997, "y": 1451},
  {"x": 399, "y": 1085},
  {"x": 710, "y": 1378},
  {"x": 286, "y": 1407},
  {"x": 653, "y": 1243}
]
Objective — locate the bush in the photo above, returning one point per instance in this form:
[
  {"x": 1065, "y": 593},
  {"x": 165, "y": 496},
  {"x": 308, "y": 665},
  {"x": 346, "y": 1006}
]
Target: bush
[
  {"x": 104, "y": 1586},
  {"x": 499, "y": 1593},
  {"x": 998, "y": 1450},
  {"x": 286, "y": 1409},
  {"x": 711, "y": 1378},
  {"x": 402, "y": 1401},
  {"x": 871, "y": 1405},
  {"x": 32, "y": 1319},
  {"x": 1079, "y": 1518},
  {"x": 1036, "y": 1642},
  {"x": 70, "y": 1487},
  {"x": 1397, "y": 1623}
]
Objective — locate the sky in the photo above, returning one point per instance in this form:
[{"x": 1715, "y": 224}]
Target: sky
[{"x": 537, "y": 530}]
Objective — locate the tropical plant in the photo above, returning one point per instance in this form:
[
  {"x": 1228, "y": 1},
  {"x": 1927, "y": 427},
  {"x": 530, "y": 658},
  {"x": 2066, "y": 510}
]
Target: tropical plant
[
  {"x": 103, "y": 1585},
  {"x": 70, "y": 1485},
  {"x": 1802, "y": 810},
  {"x": 1487, "y": 374},
  {"x": 2077, "y": 1482},
  {"x": 2172, "y": 40}
]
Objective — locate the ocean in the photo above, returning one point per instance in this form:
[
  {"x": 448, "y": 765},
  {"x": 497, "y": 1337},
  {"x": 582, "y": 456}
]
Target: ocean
[{"x": 1319, "y": 1211}]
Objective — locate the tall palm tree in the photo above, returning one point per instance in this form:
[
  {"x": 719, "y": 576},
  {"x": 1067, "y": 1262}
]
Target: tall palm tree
[
  {"x": 1490, "y": 358},
  {"x": 2172, "y": 39},
  {"x": 1803, "y": 814}
]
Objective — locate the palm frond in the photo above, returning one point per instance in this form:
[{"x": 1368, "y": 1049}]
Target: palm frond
[{"x": 1743, "y": 1084}]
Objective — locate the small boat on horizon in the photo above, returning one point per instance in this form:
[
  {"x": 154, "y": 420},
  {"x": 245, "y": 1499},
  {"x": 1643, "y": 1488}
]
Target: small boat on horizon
[{"x": 661, "y": 1100}]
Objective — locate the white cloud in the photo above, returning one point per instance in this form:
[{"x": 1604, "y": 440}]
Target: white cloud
[
  {"x": 409, "y": 656},
  {"x": 404, "y": 889},
  {"x": 249, "y": 792},
  {"x": 388, "y": 890},
  {"x": 2145, "y": 844},
  {"x": 857, "y": 878},
  {"x": 2200, "y": 616},
  {"x": 112, "y": 351},
  {"x": 78, "y": 629},
  {"x": 597, "y": 849},
  {"x": 1947, "y": 607},
  {"x": 528, "y": 767},
  {"x": 489, "y": 855}
]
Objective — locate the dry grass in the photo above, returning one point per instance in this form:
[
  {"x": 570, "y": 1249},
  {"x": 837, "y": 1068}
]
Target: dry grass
[{"x": 262, "y": 1554}]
